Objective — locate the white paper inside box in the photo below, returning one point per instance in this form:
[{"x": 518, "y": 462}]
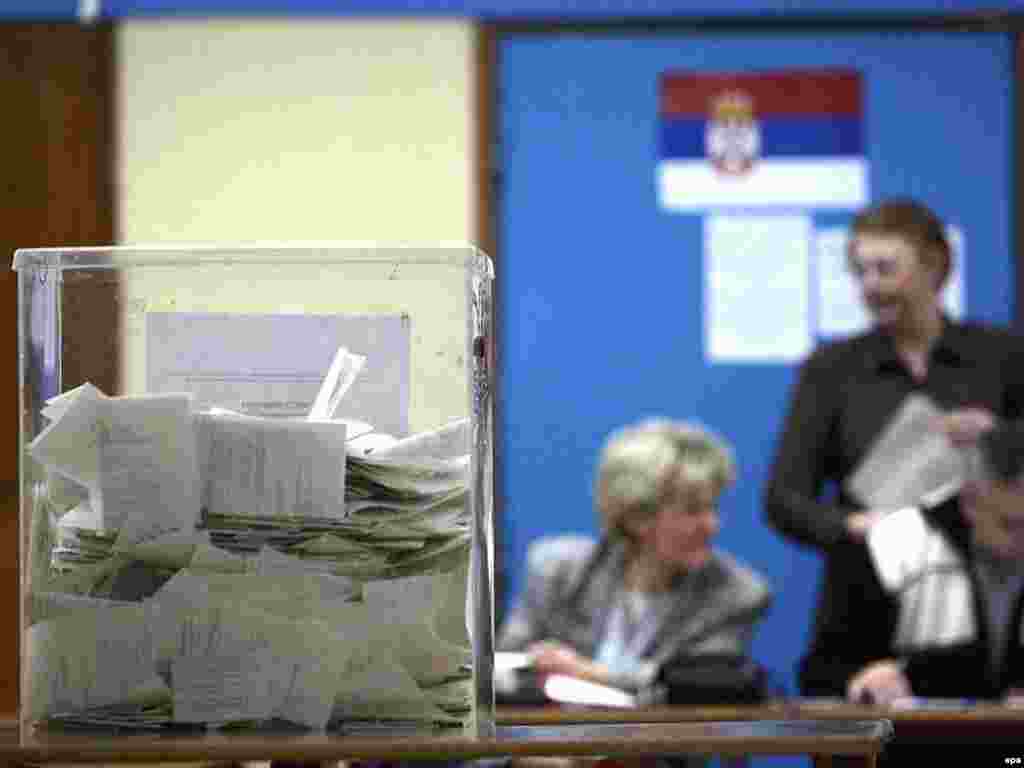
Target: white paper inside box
[{"x": 279, "y": 515}]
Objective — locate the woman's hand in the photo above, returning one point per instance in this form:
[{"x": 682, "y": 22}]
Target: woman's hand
[
  {"x": 554, "y": 658},
  {"x": 879, "y": 683},
  {"x": 964, "y": 426},
  {"x": 859, "y": 523},
  {"x": 551, "y": 657}
]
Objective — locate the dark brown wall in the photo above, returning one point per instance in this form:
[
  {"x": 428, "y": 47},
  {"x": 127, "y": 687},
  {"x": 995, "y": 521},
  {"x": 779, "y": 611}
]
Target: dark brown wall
[{"x": 57, "y": 84}]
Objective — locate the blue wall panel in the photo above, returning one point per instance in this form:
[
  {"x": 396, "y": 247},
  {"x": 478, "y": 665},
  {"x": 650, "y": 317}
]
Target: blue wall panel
[
  {"x": 38, "y": 10},
  {"x": 601, "y": 292}
]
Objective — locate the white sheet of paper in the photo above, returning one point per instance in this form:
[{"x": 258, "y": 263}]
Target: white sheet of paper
[
  {"x": 572, "y": 690},
  {"x": 505, "y": 661},
  {"x": 447, "y": 442},
  {"x": 375, "y": 685},
  {"x": 840, "y": 309},
  {"x": 455, "y": 614},
  {"x": 58, "y": 405},
  {"x": 70, "y": 444},
  {"x": 298, "y": 661},
  {"x": 309, "y": 696},
  {"x": 298, "y": 597},
  {"x": 908, "y": 460},
  {"x": 43, "y": 606},
  {"x": 344, "y": 370},
  {"x": 89, "y": 659},
  {"x": 83, "y": 516},
  {"x": 371, "y": 443},
  {"x": 222, "y": 688},
  {"x": 149, "y": 476},
  {"x": 408, "y": 628},
  {"x": 274, "y": 364},
  {"x": 272, "y": 467},
  {"x": 63, "y": 492},
  {"x": 213, "y": 559},
  {"x": 756, "y": 292}
]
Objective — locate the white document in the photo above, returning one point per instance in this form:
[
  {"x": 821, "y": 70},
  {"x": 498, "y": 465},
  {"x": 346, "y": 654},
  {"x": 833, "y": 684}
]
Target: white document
[
  {"x": 273, "y": 364},
  {"x": 149, "y": 476},
  {"x": 239, "y": 663},
  {"x": 840, "y": 308},
  {"x": 219, "y": 689},
  {"x": 64, "y": 493},
  {"x": 756, "y": 292},
  {"x": 370, "y": 443},
  {"x": 272, "y": 467},
  {"x": 43, "y": 606},
  {"x": 339, "y": 379},
  {"x": 295, "y": 597},
  {"x": 410, "y": 640},
  {"x": 455, "y": 615},
  {"x": 70, "y": 443},
  {"x": 308, "y": 697},
  {"x": 293, "y": 573},
  {"x": 572, "y": 690},
  {"x": 507, "y": 661},
  {"x": 213, "y": 559},
  {"x": 376, "y": 686},
  {"x": 448, "y": 442},
  {"x": 909, "y": 459},
  {"x": 85, "y": 517},
  {"x": 88, "y": 659}
]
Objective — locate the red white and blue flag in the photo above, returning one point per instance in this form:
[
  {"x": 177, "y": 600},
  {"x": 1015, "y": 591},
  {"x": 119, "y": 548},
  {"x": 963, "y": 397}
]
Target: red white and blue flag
[{"x": 791, "y": 138}]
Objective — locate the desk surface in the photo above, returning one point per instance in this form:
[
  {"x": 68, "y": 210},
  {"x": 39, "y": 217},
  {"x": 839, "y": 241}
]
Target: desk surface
[
  {"x": 782, "y": 710},
  {"x": 953, "y": 727},
  {"x": 853, "y": 738}
]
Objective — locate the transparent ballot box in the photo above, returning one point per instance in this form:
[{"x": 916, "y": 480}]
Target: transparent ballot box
[{"x": 256, "y": 488}]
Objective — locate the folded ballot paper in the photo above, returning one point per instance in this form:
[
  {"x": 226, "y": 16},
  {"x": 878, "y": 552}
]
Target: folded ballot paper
[
  {"x": 205, "y": 568},
  {"x": 908, "y": 460}
]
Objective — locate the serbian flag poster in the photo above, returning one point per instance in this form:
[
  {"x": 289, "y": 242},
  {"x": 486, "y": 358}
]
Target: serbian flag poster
[{"x": 787, "y": 138}]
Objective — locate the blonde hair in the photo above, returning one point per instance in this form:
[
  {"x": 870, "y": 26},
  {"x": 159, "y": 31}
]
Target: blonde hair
[{"x": 641, "y": 464}]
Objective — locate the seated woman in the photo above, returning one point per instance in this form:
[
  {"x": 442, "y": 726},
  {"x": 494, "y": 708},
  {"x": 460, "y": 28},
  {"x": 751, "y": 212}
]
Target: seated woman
[{"x": 653, "y": 587}]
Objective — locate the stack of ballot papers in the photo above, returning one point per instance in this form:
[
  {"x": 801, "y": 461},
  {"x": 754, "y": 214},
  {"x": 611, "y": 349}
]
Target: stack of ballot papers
[{"x": 204, "y": 568}]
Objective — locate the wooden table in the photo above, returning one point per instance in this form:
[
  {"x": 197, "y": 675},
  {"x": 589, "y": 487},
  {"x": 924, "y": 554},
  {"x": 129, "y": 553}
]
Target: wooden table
[
  {"x": 997, "y": 727},
  {"x": 852, "y": 742},
  {"x": 996, "y": 716}
]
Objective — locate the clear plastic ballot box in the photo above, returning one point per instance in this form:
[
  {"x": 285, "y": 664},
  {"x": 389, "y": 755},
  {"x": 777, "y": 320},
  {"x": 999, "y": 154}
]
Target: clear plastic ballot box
[{"x": 256, "y": 488}]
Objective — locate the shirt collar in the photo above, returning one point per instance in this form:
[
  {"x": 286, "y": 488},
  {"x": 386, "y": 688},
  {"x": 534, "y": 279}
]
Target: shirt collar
[{"x": 951, "y": 347}]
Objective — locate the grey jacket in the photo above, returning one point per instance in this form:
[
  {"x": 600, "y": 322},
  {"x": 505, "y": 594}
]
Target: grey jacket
[{"x": 573, "y": 582}]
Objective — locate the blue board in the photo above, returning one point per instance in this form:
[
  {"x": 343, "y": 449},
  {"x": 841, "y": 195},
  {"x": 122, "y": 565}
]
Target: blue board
[{"x": 601, "y": 291}]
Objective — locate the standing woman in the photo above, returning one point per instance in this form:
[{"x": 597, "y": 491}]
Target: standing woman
[
  {"x": 848, "y": 390},
  {"x": 653, "y": 587}
]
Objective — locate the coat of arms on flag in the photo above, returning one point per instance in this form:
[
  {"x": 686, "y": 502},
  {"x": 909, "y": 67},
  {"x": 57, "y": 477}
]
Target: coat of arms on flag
[{"x": 761, "y": 139}]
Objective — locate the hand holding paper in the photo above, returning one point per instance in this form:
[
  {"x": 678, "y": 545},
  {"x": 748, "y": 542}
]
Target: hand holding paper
[{"x": 908, "y": 460}]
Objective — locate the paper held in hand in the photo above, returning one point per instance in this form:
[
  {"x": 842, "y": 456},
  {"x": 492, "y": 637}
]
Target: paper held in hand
[{"x": 910, "y": 459}]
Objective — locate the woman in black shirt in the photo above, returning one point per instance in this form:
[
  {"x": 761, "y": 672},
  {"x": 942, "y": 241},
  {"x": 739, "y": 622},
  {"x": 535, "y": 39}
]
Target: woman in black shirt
[{"x": 847, "y": 391}]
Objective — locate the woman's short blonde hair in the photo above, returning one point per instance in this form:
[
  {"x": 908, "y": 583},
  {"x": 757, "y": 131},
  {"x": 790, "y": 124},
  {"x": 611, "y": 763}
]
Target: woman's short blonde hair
[{"x": 641, "y": 464}]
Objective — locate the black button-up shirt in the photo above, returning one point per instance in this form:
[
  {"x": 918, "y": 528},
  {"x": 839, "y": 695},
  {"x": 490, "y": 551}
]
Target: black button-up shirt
[{"x": 845, "y": 394}]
